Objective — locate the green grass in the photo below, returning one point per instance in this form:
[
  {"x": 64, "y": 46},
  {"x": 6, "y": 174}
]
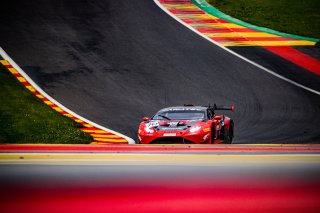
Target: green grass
[
  {"x": 24, "y": 118},
  {"x": 299, "y": 17}
]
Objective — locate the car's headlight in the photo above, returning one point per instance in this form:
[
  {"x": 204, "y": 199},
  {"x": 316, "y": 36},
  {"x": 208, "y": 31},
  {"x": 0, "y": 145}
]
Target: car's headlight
[{"x": 195, "y": 129}]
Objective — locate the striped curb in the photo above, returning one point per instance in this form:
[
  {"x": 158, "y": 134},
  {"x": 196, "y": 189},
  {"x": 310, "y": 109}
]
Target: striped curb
[
  {"x": 204, "y": 5},
  {"x": 99, "y": 135},
  {"x": 224, "y": 32}
]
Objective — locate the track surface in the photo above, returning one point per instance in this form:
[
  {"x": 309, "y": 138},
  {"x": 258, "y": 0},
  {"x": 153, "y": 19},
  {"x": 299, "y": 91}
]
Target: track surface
[{"x": 114, "y": 62}]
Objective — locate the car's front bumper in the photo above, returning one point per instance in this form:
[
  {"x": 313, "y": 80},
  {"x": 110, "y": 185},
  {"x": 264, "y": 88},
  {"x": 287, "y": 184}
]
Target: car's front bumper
[{"x": 174, "y": 138}]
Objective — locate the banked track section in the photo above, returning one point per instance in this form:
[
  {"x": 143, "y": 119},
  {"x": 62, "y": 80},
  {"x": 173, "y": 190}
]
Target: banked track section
[
  {"x": 114, "y": 62},
  {"x": 204, "y": 20}
]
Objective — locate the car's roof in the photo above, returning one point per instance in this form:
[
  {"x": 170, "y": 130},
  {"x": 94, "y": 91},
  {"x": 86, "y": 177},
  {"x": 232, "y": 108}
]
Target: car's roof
[{"x": 200, "y": 108}]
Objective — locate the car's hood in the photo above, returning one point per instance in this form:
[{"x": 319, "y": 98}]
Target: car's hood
[{"x": 171, "y": 125}]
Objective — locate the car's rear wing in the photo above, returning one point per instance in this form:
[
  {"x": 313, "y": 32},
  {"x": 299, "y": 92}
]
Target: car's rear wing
[{"x": 216, "y": 107}]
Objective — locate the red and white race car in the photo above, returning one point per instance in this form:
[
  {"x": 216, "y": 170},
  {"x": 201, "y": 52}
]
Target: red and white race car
[{"x": 187, "y": 125}]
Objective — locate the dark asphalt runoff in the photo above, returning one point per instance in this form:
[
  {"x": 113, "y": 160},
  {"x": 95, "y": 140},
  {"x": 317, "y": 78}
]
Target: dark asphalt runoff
[{"x": 114, "y": 62}]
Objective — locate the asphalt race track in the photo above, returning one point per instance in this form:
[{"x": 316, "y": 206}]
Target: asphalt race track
[{"x": 114, "y": 62}]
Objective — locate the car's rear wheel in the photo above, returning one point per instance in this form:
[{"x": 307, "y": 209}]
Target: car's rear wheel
[
  {"x": 212, "y": 134},
  {"x": 228, "y": 134}
]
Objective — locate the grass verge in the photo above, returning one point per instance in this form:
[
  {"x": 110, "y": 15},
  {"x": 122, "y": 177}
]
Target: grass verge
[
  {"x": 24, "y": 118},
  {"x": 289, "y": 16}
]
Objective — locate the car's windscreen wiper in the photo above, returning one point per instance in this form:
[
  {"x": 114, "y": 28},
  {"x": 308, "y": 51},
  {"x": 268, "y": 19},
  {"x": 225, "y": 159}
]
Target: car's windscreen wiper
[{"x": 163, "y": 116}]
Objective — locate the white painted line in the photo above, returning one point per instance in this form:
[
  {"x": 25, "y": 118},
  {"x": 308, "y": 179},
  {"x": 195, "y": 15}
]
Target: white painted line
[
  {"x": 234, "y": 53},
  {"x": 5, "y": 56}
]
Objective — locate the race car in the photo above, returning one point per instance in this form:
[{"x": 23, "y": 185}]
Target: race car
[{"x": 187, "y": 124}]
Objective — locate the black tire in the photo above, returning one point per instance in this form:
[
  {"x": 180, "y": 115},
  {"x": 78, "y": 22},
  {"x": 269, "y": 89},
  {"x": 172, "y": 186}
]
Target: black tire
[
  {"x": 228, "y": 134},
  {"x": 212, "y": 134}
]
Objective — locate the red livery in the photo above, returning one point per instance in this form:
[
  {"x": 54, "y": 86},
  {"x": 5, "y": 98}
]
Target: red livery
[{"x": 187, "y": 125}]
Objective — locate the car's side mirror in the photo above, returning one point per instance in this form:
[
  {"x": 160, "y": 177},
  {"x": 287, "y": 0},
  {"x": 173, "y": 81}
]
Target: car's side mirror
[{"x": 146, "y": 119}]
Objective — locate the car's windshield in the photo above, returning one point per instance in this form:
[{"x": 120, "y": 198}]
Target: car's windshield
[{"x": 179, "y": 115}]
